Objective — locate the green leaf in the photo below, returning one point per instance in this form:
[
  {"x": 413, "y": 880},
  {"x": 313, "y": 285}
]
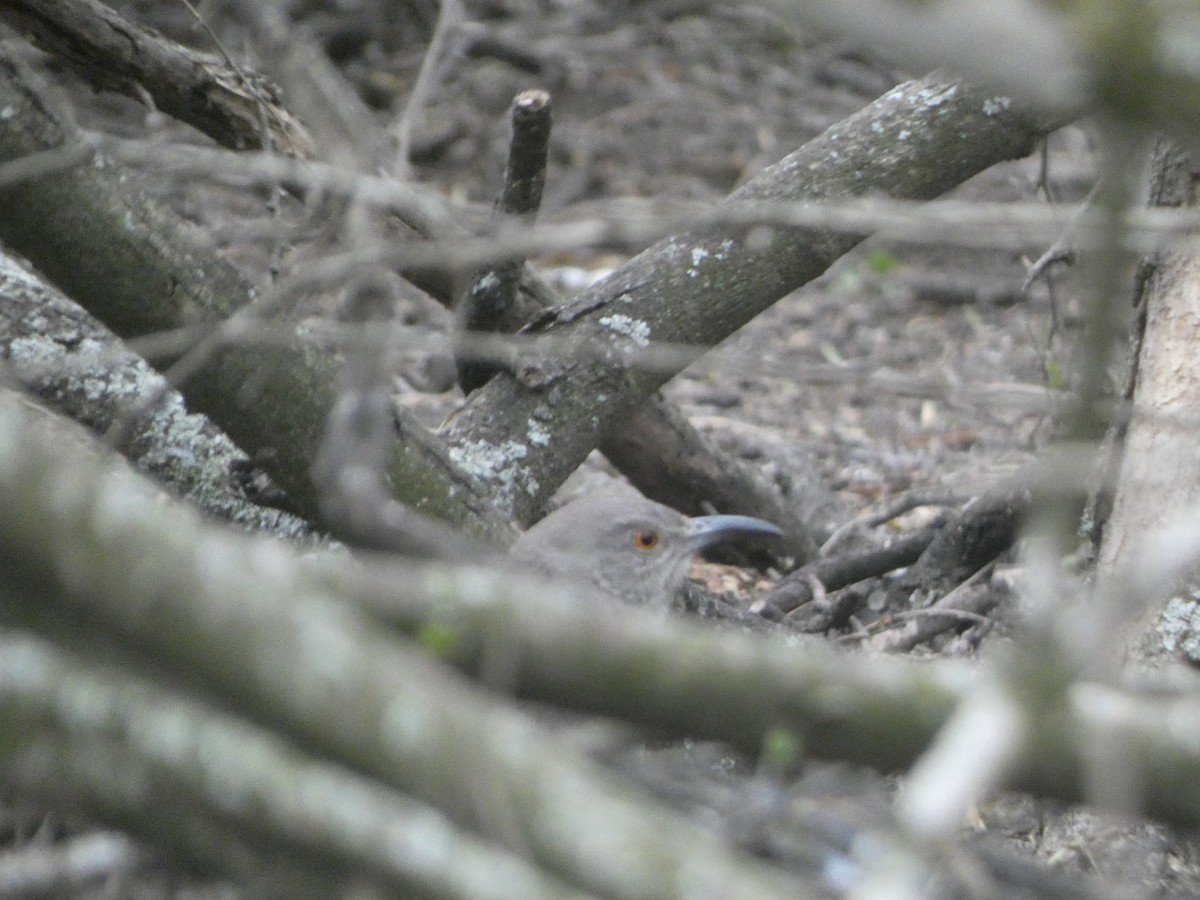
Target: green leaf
[
  {"x": 438, "y": 638},
  {"x": 881, "y": 261},
  {"x": 782, "y": 750},
  {"x": 1054, "y": 376}
]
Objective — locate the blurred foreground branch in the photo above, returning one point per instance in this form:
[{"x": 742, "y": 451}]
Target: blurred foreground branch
[
  {"x": 274, "y": 635},
  {"x": 170, "y": 766},
  {"x": 244, "y": 617}
]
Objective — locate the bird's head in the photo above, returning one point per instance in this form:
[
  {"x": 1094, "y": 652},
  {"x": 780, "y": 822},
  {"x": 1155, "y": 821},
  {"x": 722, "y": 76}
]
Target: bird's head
[{"x": 627, "y": 546}]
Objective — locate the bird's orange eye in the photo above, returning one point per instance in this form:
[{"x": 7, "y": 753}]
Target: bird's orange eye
[{"x": 646, "y": 540}]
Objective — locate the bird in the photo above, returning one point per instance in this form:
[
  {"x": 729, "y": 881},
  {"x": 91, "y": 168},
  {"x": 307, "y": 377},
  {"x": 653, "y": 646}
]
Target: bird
[{"x": 625, "y": 547}]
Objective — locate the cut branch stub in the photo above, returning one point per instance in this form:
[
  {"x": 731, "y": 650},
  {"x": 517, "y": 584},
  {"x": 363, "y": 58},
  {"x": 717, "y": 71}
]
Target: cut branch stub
[{"x": 488, "y": 303}]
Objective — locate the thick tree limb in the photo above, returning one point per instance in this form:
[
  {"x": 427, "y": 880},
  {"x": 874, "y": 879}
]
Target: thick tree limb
[
  {"x": 863, "y": 708},
  {"x": 534, "y": 428},
  {"x": 141, "y": 269},
  {"x": 1156, "y": 474},
  {"x": 232, "y": 105},
  {"x": 74, "y": 364}
]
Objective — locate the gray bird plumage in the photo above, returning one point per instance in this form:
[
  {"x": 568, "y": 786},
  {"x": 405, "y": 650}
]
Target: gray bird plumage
[{"x": 625, "y": 546}]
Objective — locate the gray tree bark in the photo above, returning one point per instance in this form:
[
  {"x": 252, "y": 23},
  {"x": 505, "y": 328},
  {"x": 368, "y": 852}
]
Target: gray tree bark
[
  {"x": 140, "y": 269},
  {"x": 72, "y": 363},
  {"x": 236, "y": 107},
  {"x": 525, "y": 432},
  {"x": 692, "y": 289},
  {"x": 1157, "y": 483}
]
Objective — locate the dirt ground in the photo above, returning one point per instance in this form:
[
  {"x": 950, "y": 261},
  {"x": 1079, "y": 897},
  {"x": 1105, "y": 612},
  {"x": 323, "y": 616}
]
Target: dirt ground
[{"x": 898, "y": 372}]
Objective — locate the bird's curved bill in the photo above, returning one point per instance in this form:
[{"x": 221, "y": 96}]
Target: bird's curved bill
[{"x": 704, "y": 531}]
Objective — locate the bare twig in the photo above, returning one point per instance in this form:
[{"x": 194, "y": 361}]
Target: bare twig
[
  {"x": 966, "y": 604},
  {"x": 450, "y": 19},
  {"x": 351, "y": 467},
  {"x": 837, "y": 572}
]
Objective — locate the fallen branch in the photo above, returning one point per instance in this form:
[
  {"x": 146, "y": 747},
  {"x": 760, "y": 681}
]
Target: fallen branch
[
  {"x": 147, "y": 271},
  {"x": 75, "y": 365},
  {"x": 529, "y": 430},
  {"x": 234, "y": 106}
]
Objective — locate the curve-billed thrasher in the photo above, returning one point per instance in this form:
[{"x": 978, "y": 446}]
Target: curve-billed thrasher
[{"x": 626, "y": 546}]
